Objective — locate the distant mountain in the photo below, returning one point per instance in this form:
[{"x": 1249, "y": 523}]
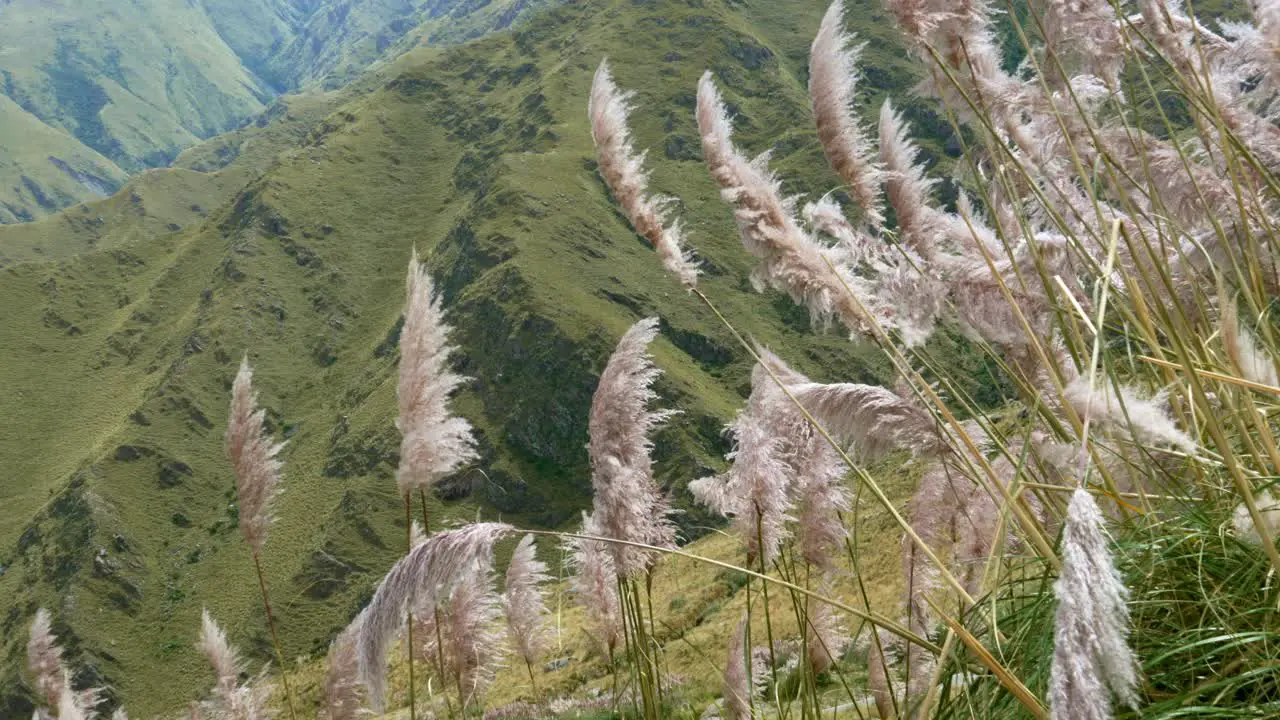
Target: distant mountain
[
  {"x": 44, "y": 169},
  {"x": 129, "y": 85},
  {"x": 343, "y": 37}
]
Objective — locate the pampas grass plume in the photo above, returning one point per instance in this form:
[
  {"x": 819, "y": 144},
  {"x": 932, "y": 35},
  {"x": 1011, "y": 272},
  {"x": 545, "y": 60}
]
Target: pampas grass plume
[
  {"x": 425, "y": 575},
  {"x": 743, "y": 673},
  {"x": 44, "y": 660},
  {"x": 790, "y": 259},
  {"x": 254, "y": 456},
  {"x": 523, "y": 601},
  {"x": 231, "y": 700},
  {"x": 1092, "y": 660},
  {"x": 595, "y": 585},
  {"x": 343, "y": 692},
  {"x": 832, "y": 84},
  {"x": 433, "y": 442},
  {"x": 628, "y": 504},
  {"x": 623, "y": 171}
]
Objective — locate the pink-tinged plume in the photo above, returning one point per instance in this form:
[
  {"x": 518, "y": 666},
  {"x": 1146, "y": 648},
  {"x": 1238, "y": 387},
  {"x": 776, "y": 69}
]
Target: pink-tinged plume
[
  {"x": 254, "y": 456},
  {"x": 624, "y": 173},
  {"x": 790, "y": 259},
  {"x": 833, "y": 77},
  {"x": 595, "y": 584},
  {"x": 469, "y": 632},
  {"x": 343, "y": 692},
  {"x": 231, "y": 700},
  {"x": 433, "y": 442},
  {"x": 427, "y": 574},
  {"x": 628, "y": 504},
  {"x": 44, "y": 660},
  {"x": 743, "y": 675},
  {"x": 524, "y": 601}
]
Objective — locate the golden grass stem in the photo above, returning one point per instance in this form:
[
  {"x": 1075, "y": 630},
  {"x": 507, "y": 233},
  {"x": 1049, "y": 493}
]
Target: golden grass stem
[
  {"x": 868, "y": 615},
  {"x": 408, "y": 544}
]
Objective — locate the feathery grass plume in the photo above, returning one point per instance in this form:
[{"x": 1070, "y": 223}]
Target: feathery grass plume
[
  {"x": 758, "y": 482},
  {"x": 975, "y": 527},
  {"x": 878, "y": 674},
  {"x": 70, "y": 705},
  {"x": 623, "y": 171},
  {"x": 44, "y": 660},
  {"x": 1083, "y": 34},
  {"x": 756, "y": 491},
  {"x": 628, "y": 504},
  {"x": 743, "y": 675},
  {"x": 343, "y": 692},
  {"x": 524, "y": 601},
  {"x": 1268, "y": 508},
  {"x": 1092, "y": 660},
  {"x": 1254, "y": 363},
  {"x": 1143, "y": 418},
  {"x": 119, "y": 714},
  {"x": 930, "y": 511},
  {"x": 874, "y": 419},
  {"x": 231, "y": 700},
  {"x": 595, "y": 585},
  {"x": 254, "y": 456},
  {"x": 433, "y": 442},
  {"x": 427, "y": 573},
  {"x": 822, "y": 498},
  {"x": 222, "y": 655},
  {"x": 906, "y": 185},
  {"x": 791, "y": 260},
  {"x": 825, "y": 638},
  {"x": 469, "y": 627},
  {"x": 833, "y": 77}
]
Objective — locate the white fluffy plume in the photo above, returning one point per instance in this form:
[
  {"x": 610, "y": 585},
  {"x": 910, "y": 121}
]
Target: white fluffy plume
[
  {"x": 1144, "y": 418},
  {"x": 433, "y": 442},
  {"x": 628, "y": 504},
  {"x": 1092, "y": 660},
  {"x": 253, "y": 454},
  {"x": 524, "y": 601},
  {"x": 743, "y": 675},
  {"x": 790, "y": 259},
  {"x": 231, "y": 700},
  {"x": 595, "y": 584}
]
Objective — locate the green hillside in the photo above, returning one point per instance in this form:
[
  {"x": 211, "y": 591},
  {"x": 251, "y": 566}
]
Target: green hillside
[
  {"x": 43, "y": 169},
  {"x": 121, "y": 340},
  {"x": 92, "y": 91},
  {"x": 342, "y": 38}
]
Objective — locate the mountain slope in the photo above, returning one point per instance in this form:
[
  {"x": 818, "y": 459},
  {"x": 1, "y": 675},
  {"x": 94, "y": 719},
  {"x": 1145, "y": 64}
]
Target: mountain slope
[
  {"x": 342, "y": 38},
  {"x": 135, "y": 81},
  {"x": 43, "y": 170},
  {"x": 130, "y": 85},
  {"x": 118, "y": 359}
]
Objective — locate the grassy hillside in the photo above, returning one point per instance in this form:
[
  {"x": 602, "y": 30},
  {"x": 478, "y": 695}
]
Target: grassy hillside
[
  {"x": 341, "y": 38},
  {"x": 43, "y": 169},
  {"x": 118, "y": 355},
  {"x": 135, "y": 81},
  {"x": 92, "y": 91}
]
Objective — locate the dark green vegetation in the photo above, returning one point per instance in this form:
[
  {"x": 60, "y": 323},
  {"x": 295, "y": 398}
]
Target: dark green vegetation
[
  {"x": 1204, "y": 628},
  {"x": 125, "y": 320},
  {"x": 94, "y": 91}
]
